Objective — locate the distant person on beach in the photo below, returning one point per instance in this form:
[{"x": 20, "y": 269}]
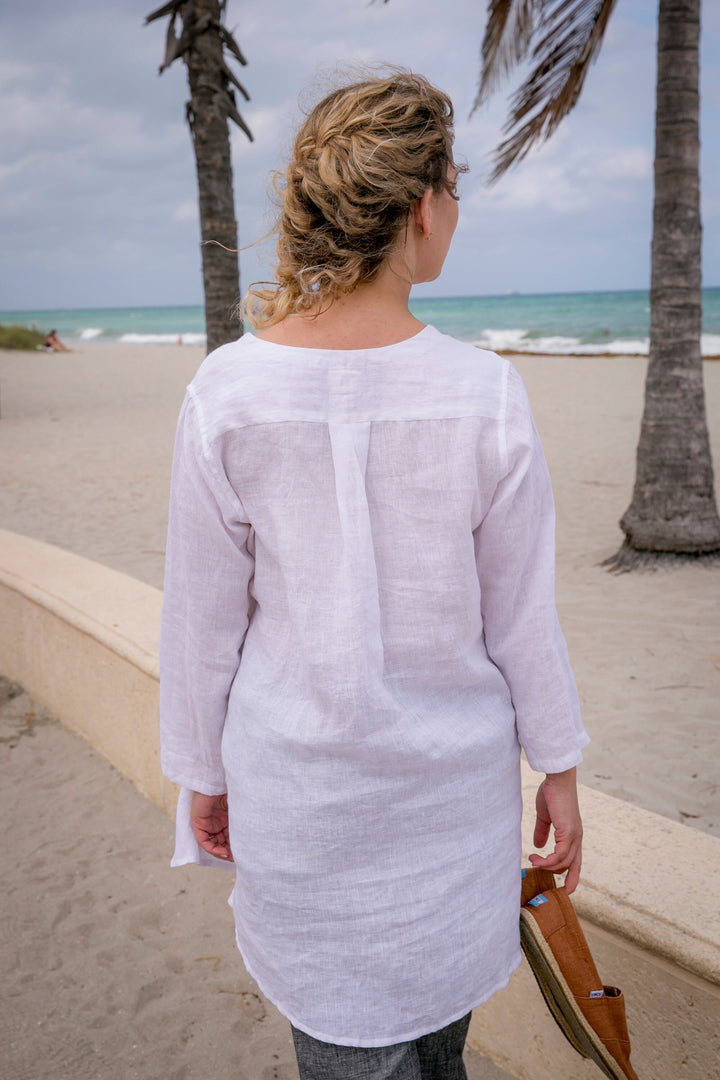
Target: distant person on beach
[
  {"x": 359, "y": 630},
  {"x": 53, "y": 343}
]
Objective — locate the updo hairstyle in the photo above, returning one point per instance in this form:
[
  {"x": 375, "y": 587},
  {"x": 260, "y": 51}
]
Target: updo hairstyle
[{"x": 363, "y": 156}]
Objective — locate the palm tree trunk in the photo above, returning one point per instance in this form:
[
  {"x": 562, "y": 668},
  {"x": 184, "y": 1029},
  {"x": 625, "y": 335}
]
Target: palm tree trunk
[
  {"x": 673, "y": 507},
  {"x": 211, "y": 139}
]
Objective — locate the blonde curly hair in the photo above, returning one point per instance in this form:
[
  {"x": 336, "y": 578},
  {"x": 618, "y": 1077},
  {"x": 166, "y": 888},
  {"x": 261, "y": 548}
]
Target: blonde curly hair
[{"x": 363, "y": 156}]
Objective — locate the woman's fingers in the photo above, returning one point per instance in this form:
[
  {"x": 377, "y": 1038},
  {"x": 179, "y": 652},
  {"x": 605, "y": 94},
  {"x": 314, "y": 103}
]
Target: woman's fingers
[
  {"x": 218, "y": 848},
  {"x": 209, "y": 819},
  {"x": 559, "y": 862},
  {"x": 542, "y": 822},
  {"x": 573, "y": 876},
  {"x": 557, "y": 807}
]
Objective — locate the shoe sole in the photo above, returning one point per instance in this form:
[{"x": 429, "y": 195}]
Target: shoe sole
[{"x": 561, "y": 1001}]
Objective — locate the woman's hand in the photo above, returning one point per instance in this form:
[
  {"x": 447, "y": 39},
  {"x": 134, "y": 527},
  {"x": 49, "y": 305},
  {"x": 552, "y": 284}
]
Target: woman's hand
[
  {"x": 556, "y": 804},
  {"x": 209, "y": 820}
]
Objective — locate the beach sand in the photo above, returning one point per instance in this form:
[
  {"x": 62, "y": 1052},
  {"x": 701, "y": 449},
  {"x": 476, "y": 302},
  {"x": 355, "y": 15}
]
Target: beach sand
[
  {"x": 86, "y": 444},
  {"x": 114, "y": 966}
]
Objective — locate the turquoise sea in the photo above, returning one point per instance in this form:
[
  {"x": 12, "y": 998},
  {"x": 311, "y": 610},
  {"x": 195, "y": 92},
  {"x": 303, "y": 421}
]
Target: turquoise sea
[{"x": 570, "y": 323}]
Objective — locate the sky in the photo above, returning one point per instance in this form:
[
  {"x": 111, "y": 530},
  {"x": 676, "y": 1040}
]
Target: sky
[{"x": 97, "y": 174}]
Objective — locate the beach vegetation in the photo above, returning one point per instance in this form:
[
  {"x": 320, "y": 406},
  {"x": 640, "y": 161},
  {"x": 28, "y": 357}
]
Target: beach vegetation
[
  {"x": 20, "y": 337},
  {"x": 673, "y": 512},
  {"x": 207, "y": 48}
]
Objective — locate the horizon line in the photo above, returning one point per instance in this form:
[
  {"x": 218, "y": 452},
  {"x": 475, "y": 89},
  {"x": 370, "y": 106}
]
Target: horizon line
[{"x": 508, "y": 295}]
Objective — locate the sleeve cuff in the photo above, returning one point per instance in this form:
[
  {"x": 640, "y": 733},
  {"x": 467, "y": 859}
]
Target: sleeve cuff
[
  {"x": 186, "y": 775},
  {"x": 543, "y": 764}
]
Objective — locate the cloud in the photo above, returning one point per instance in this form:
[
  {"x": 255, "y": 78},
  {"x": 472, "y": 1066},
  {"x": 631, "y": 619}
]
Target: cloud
[
  {"x": 269, "y": 126},
  {"x": 626, "y": 163},
  {"x": 566, "y": 177},
  {"x": 186, "y": 211}
]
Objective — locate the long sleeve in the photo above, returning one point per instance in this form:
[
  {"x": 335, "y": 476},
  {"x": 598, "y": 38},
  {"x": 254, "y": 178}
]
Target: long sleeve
[
  {"x": 205, "y": 608},
  {"x": 515, "y": 553}
]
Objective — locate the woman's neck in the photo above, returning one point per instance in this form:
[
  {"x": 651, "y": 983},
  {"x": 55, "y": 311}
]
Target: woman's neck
[{"x": 372, "y": 315}]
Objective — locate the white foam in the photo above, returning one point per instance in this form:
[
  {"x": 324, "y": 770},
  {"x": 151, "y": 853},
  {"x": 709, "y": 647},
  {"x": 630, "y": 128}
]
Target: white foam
[
  {"x": 504, "y": 341},
  {"x": 90, "y": 333},
  {"x": 710, "y": 344},
  {"x": 163, "y": 339},
  {"x": 618, "y": 347},
  {"x": 517, "y": 341},
  {"x": 558, "y": 345}
]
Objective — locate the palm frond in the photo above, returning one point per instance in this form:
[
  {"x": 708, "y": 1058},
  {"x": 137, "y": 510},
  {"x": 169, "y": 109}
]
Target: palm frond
[
  {"x": 200, "y": 23},
  {"x": 223, "y": 105},
  {"x": 506, "y": 41},
  {"x": 174, "y": 46},
  {"x": 231, "y": 77},
  {"x": 235, "y": 116},
  {"x": 229, "y": 41},
  {"x": 570, "y": 33},
  {"x": 173, "y": 8}
]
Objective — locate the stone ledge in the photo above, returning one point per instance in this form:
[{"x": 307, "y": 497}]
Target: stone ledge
[
  {"x": 119, "y": 611},
  {"x": 83, "y": 641}
]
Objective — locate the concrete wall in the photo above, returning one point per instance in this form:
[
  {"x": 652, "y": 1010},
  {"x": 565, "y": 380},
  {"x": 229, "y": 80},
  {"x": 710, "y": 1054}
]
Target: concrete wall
[{"x": 83, "y": 639}]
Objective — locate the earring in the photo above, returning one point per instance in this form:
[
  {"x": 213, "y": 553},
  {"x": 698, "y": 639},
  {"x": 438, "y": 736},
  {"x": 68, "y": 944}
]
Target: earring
[{"x": 429, "y": 235}]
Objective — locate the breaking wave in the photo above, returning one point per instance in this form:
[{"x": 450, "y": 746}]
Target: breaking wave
[{"x": 518, "y": 341}]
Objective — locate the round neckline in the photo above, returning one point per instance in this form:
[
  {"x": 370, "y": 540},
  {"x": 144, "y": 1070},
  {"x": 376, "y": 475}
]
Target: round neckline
[{"x": 347, "y": 352}]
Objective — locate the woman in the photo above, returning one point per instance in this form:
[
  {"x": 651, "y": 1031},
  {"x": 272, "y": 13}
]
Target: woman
[
  {"x": 53, "y": 343},
  {"x": 359, "y": 630}
]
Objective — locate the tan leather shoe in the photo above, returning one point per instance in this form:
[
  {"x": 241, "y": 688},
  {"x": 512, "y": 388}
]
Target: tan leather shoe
[
  {"x": 590, "y": 1014},
  {"x": 535, "y": 880}
]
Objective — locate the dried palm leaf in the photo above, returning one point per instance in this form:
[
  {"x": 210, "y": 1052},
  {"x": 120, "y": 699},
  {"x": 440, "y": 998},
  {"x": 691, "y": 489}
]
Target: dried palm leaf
[
  {"x": 174, "y": 46},
  {"x": 235, "y": 116},
  {"x": 173, "y": 8},
  {"x": 200, "y": 23},
  {"x": 223, "y": 105},
  {"x": 231, "y": 77},
  {"x": 229, "y": 41}
]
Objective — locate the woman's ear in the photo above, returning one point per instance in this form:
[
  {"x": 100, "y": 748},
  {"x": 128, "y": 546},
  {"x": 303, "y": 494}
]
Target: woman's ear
[{"x": 422, "y": 213}]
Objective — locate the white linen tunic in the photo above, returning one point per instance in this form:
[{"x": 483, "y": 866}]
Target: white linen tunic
[{"x": 359, "y": 634}]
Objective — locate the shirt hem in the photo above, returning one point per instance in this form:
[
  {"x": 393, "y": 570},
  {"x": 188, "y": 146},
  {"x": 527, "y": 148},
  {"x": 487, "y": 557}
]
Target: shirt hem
[{"x": 385, "y": 1040}]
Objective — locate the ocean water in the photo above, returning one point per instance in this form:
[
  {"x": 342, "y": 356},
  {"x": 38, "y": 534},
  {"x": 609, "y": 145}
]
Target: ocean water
[{"x": 567, "y": 323}]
